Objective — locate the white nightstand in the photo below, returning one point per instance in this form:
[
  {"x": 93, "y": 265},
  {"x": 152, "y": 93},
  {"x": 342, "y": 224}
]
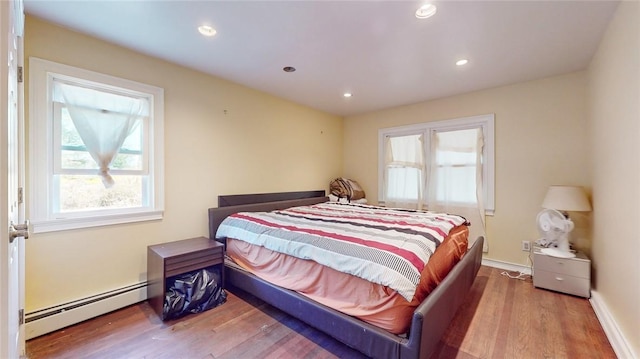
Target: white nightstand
[{"x": 566, "y": 275}]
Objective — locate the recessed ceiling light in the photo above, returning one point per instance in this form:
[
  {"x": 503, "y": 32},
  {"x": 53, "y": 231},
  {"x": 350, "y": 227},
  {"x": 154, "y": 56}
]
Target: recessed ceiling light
[
  {"x": 207, "y": 30},
  {"x": 347, "y": 94},
  {"x": 425, "y": 11},
  {"x": 462, "y": 62},
  {"x": 288, "y": 69}
]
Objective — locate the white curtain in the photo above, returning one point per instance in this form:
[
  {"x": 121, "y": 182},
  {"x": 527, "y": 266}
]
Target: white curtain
[
  {"x": 404, "y": 171},
  {"x": 455, "y": 183},
  {"x": 103, "y": 120}
]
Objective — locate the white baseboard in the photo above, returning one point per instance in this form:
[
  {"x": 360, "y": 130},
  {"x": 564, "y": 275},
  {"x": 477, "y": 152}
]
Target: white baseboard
[
  {"x": 506, "y": 266},
  {"x": 618, "y": 341},
  {"x": 51, "y": 319}
]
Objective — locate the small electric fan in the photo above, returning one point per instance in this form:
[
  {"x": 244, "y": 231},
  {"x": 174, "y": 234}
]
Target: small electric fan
[{"x": 555, "y": 228}]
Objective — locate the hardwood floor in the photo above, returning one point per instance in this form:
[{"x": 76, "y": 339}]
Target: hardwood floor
[{"x": 502, "y": 318}]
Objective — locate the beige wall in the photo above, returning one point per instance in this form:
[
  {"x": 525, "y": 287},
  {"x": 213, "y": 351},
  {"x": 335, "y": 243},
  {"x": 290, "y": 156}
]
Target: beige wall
[
  {"x": 614, "y": 104},
  {"x": 262, "y": 144},
  {"x": 540, "y": 139}
]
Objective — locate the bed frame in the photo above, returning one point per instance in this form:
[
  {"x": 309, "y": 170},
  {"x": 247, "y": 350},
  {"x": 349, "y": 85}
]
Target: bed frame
[{"x": 430, "y": 319}]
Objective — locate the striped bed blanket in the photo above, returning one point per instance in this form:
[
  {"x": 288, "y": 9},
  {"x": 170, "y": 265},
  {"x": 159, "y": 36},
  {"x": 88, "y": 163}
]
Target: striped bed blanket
[{"x": 383, "y": 245}]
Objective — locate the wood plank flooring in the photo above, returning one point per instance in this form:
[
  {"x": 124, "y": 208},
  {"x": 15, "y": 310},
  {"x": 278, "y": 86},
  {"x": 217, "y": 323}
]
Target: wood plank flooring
[{"x": 502, "y": 318}]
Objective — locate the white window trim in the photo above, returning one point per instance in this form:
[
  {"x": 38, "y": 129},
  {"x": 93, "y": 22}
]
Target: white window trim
[
  {"x": 486, "y": 122},
  {"x": 40, "y": 141}
]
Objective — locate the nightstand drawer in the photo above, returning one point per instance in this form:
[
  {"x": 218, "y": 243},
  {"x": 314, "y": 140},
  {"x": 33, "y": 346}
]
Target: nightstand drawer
[
  {"x": 191, "y": 261},
  {"x": 562, "y": 283},
  {"x": 571, "y": 267}
]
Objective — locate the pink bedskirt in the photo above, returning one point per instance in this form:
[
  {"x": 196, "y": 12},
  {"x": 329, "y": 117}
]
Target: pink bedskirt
[{"x": 373, "y": 303}]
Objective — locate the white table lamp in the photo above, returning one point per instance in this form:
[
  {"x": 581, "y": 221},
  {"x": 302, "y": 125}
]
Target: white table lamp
[{"x": 565, "y": 199}]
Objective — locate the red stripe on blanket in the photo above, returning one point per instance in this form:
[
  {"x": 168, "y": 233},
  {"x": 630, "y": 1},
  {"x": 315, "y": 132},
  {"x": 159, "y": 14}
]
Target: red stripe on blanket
[
  {"x": 376, "y": 220},
  {"x": 371, "y": 209},
  {"x": 407, "y": 255}
]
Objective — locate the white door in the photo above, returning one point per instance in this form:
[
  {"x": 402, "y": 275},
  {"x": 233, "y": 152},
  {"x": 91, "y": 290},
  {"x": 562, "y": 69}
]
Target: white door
[{"x": 13, "y": 230}]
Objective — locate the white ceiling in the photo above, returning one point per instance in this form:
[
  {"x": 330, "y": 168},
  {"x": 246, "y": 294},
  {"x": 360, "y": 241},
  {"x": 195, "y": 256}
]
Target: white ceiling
[{"x": 376, "y": 49}]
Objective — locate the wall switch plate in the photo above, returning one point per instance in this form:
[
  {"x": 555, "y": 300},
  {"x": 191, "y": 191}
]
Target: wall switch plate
[{"x": 526, "y": 246}]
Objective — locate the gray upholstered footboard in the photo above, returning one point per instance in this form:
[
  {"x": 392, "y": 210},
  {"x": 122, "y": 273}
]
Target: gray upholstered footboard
[{"x": 434, "y": 314}]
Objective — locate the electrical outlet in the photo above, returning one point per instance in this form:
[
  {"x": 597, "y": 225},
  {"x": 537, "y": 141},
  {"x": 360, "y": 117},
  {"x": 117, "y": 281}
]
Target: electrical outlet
[{"x": 526, "y": 246}]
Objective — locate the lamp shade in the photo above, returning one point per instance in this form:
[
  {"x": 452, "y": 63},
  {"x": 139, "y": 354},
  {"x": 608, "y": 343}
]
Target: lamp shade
[{"x": 566, "y": 198}]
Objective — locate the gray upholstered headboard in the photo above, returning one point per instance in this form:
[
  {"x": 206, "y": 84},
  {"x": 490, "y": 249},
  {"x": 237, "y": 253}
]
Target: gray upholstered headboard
[
  {"x": 238, "y": 199},
  {"x": 217, "y": 215}
]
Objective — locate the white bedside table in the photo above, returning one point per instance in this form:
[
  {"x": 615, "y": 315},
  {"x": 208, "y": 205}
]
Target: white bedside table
[{"x": 566, "y": 275}]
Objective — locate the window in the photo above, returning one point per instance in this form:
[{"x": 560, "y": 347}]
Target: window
[
  {"x": 444, "y": 162},
  {"x": 404, "y": 165},
  {"x": 96, "y": 148},
  {"x": 454, "y": 168}
]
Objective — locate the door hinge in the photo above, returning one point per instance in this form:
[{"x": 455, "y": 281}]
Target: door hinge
[
  {"x": 20, "y": 195},
  {"x": 20, "y": 74},
  {"x": 21, "y": 317}
]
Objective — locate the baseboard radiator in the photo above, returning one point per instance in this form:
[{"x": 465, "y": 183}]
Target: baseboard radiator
[{"x": 54, "y": 318}]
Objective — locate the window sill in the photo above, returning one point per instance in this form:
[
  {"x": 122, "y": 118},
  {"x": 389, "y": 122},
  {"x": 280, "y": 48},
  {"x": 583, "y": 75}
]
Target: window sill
[{"x": 65, "y": 224}]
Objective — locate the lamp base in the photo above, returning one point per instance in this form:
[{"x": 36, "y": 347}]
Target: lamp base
[{"x": 555, "y": 252}]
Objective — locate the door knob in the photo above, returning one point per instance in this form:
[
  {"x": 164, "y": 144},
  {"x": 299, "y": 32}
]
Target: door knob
[{"x": 18, "y": 230}]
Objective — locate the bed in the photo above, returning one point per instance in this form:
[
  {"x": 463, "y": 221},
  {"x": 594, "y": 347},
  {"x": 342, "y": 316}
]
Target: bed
[{"x": 427, "y": 322}]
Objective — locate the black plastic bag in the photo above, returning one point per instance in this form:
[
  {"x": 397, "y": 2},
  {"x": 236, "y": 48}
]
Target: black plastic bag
[{"x": 193, "y": 292}]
